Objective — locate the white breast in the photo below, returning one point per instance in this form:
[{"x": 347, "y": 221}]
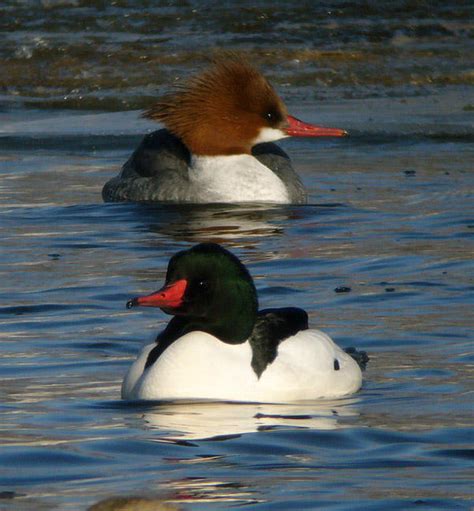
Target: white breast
[
  {"x": 199, "y": 366},
  {"x": 235, "y": 178},
  {"x": 196, "y": 366}
]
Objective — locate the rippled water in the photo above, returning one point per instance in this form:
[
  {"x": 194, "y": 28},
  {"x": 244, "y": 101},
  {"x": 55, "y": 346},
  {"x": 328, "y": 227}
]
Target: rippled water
[
  {"x": 113, "y": 55},
  {"x": 390, "y": 218}
]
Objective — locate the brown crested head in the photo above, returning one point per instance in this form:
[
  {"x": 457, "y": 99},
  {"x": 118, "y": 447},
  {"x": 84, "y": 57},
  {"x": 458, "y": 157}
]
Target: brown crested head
[{"x": 222, "y": 111}]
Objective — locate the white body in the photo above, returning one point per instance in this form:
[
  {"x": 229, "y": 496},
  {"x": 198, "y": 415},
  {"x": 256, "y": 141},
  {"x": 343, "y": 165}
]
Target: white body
[
  {"x": 236, "y": 178},
  {"x": 200, "y": 366}
]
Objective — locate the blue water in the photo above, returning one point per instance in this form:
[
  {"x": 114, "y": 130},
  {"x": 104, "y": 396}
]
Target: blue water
[
  {"x": 381, "y": 257},
  {"x": 390, "y": 219}
]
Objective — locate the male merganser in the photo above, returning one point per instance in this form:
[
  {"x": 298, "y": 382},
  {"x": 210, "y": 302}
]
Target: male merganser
[
  {"x": 218, "y": 345},
  {"x": 215, "y": 147}
]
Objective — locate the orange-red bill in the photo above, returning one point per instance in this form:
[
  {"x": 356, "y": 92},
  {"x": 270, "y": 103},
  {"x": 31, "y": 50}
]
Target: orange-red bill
[
  {"x": 297, "y": 128},
  {"x": 171, "y": 296}
]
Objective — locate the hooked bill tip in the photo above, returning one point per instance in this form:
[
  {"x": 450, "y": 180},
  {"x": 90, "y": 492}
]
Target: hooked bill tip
[{"x": 132, "y": 303}]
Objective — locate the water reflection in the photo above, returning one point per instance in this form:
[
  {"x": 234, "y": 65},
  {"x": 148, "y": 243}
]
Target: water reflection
[
  {"x": 184, "y": 422},
  {"x": 224, "y": 492},
  {"x": 215, "y": 222}
]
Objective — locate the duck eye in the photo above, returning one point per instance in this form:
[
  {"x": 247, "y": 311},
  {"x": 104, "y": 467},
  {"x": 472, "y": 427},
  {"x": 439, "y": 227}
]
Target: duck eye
[
  {"x": 203, "y": 285},
  {"x": 273, "y": 117}
]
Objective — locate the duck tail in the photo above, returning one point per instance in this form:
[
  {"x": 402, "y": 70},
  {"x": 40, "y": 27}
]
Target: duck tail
[{"x": 360, "y": 357}]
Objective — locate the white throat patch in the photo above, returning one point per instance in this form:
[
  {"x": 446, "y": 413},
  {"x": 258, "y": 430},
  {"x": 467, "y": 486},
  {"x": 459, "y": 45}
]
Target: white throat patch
[{"x": 269, "y": 135}]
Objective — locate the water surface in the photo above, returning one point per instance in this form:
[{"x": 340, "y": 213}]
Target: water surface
[{"x": 390, "y": 220}]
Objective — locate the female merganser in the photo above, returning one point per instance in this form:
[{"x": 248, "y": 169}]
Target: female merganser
[
  {"x": 218, "y": 345},
  {"x": 216, "y": 146}
]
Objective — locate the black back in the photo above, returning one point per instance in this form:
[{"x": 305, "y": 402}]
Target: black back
[{"x": 271, "y": 328}]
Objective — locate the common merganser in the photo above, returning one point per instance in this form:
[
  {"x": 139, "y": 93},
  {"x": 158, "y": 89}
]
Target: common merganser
[
  {"x": 216, "y": 145},
  {"x": 219, "y": 346}
]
